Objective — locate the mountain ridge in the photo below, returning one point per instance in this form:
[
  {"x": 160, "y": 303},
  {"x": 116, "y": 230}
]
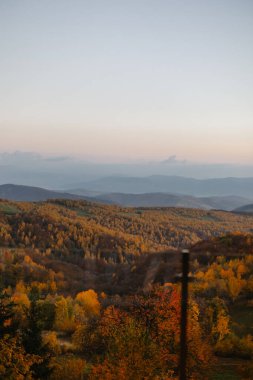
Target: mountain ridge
[
  {"x": 36, "y": 194},
  {"x": 33, "y": 193},
  {"x": 245, "y": 209},
  {"x": 172, "y": 184}
]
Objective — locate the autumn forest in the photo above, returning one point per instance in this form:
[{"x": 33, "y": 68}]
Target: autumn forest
[{"x": 90, "y": 291}]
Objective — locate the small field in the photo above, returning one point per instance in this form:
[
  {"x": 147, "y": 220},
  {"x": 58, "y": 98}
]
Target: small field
[
  {"x": 8, "y": 209},
  {"x": 242, "y": 317},
  {"x": 230, "y": 369}
]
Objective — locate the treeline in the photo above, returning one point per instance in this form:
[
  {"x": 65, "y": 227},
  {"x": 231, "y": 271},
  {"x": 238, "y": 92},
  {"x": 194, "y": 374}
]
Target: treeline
[
  {"x": 57, "y": 230},
  {"x": 162, "y": 228},
  {"x": 113, "y": 234}
]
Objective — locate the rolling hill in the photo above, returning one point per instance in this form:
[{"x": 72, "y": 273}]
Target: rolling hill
[
  {"x": 33, "y": 194},
  {"x": 242, "y": 187},
  {"x": 111, "y": 248},
  {"x": 245, "y": 209},
  {"x": 82, "y": 226},
  {"x": 227, "y": 203}
]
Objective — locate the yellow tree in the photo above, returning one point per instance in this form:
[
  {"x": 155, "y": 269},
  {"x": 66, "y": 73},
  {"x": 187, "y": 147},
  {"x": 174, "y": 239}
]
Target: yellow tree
[{"x": 88, "y": 300}]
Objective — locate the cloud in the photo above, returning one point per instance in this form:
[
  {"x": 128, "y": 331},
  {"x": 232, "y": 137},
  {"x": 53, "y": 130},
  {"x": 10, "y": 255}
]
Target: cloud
[
  {"x": 173, "y": 160},
  {"x": 18, "y": 156},
  {"x": 21, "y": 157}
]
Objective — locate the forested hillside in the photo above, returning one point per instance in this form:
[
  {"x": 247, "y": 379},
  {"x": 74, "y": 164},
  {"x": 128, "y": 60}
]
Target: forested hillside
[
  {"x": 91, "y": 229},
  {"x": 91, "y": 291}
]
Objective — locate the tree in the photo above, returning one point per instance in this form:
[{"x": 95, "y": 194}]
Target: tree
[
  {"x": 68, "y": 367},
  {"x": 33, "y": 343},
  {"x": 88, "y": 300},
  {"x": 6, "y": 315},
  {"x": 64, "y": 320},
  {"x": 15, "y": 363},
  {"x": 143, "y": 342}
]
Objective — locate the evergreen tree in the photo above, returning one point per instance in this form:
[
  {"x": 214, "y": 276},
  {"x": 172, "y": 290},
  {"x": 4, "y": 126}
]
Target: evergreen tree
[
  {"x": 32, "y": 341},
  {"x": 6, "y": 314}
]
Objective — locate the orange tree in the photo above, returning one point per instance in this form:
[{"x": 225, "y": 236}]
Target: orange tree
[
  {"x": 15, "y": 362},
  {"x": 142, "y": 341}
]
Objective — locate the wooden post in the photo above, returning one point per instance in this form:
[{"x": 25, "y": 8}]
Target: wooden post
[{"x": 184, "y": 304}]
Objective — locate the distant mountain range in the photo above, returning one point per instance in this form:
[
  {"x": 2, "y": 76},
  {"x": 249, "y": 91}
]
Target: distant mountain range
[
  {"x": 227, "y": 203},
  {"x": 242, "y": 187},
  {"x": 32, "y": 194},
  {"x": 35, "y": 194},
  {"x": 247, "y": 209},
  {"x": 63, "y": 172}
]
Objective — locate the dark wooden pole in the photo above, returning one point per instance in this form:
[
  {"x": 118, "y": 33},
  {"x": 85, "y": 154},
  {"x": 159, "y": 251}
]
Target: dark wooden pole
[{"x": 184, "y": 303}]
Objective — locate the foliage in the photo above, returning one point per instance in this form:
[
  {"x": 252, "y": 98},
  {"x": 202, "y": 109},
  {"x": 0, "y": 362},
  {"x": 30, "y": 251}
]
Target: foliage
[
  {"x": 49, "y": 340},
  {"x": 15, "y": 362},
  {"x": 58, "y": 258},
  {"x": 68, "y": 367},
  {"x": 144, "y": 341},
  {"x": 233, "y": 346},
  {"x": 88, "y": 301},
  {"x": 33, "y": 344}
]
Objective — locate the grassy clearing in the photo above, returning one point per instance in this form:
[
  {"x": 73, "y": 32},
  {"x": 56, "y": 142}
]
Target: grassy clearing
[
  {"x": 83, "y": 213},
  {"x": 227, "y": 369},
  {"x": 211, "y": 218},
  {"x": 242, "y": 319},
  {"x": 225, "y": 375},
  {"x": 8, "y": 209}
]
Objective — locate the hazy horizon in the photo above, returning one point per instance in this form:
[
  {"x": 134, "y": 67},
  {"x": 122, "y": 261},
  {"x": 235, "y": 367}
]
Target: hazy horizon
[
  {"x": 128, "y": 81},
  {"x": 65, "y": 172},
  {"x": 169, "y": 159}
]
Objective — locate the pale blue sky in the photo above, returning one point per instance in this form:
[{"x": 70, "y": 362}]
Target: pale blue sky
[{"x": 128, "y": 79}]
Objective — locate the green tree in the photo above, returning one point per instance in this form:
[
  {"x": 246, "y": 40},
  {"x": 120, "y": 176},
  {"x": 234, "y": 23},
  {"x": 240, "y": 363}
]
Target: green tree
[{"x": 33, "y": 343}]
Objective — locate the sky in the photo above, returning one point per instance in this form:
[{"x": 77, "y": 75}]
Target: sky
[{"x": 128, "y": 80}]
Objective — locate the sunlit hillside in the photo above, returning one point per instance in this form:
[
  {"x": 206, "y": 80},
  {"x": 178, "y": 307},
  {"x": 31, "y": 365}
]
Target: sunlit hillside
[{"x": 91, "y": 291}]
